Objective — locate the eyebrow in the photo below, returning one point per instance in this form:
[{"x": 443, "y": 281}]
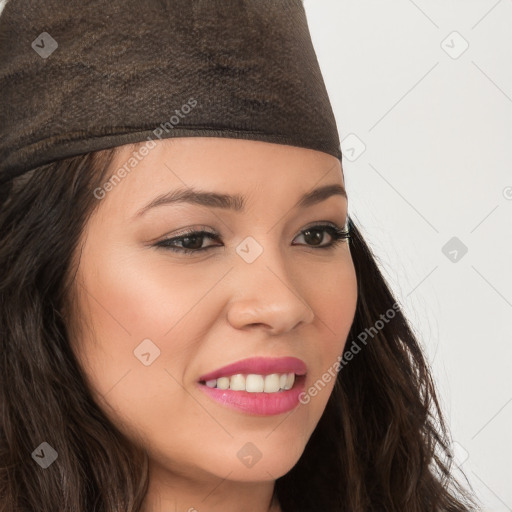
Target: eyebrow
[{"x": 236, "y": 202}]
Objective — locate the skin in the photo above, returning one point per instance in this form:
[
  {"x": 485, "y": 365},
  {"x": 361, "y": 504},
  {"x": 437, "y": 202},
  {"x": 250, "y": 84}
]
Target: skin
[{"x": 212, "y": 308}]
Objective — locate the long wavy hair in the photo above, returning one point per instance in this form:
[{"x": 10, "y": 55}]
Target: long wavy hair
[{"x": 380, "y": 445}]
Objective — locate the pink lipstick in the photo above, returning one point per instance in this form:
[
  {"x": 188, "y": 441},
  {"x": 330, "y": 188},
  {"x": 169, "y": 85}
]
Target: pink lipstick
[{"x": 259, "y": 385}]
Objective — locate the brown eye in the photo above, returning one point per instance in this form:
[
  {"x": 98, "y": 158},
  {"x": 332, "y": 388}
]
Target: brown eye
[
  {"x": 315, "y": 234},
  {"x": 190, "y": 242}
]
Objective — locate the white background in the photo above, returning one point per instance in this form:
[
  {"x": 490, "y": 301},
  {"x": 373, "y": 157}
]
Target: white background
[{"x": 437, "y": 162}]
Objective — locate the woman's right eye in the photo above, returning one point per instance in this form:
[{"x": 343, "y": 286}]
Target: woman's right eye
[{"x": 190, "y": 240}]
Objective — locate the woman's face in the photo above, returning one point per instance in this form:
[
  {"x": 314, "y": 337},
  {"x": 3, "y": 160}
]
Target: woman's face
[{"x": 160, "y": 319}]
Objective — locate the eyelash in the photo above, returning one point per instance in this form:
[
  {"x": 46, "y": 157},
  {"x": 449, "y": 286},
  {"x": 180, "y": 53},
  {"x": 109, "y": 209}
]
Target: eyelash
[{"x": 336, "y": 233}]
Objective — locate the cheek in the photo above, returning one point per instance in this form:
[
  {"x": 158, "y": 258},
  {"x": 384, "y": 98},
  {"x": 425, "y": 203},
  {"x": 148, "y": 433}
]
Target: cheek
[
  {"x": 134, "y": 309},
  {"x": 135, "y": 297},
  {"x": 138, "y": 315},
  {"x": 333, "y": 296}
]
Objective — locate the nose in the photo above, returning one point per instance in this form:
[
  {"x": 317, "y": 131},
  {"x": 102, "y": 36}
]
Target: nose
[{"x": 267, "y": 296}]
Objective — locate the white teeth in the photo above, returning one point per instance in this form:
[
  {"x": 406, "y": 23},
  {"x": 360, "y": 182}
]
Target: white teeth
[
  {"x": 289, "y": 381},
  {"x": 271, "y": 383},
  {"x": 223, "y": 382},
  {"x": 237, "y": 382},
  {"x": 253, "y": 383}
]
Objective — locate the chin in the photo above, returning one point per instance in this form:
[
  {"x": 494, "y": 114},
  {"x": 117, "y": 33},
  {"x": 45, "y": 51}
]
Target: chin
[{"x": 257, "y": 461}]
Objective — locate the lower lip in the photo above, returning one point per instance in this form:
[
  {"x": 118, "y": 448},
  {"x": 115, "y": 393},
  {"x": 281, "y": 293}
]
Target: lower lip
[{"x": 261, "y": 404}]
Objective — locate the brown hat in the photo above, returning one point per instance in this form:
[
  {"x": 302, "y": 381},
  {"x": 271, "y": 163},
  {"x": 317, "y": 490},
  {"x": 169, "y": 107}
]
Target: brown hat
[{"x": 81, "y": 76}]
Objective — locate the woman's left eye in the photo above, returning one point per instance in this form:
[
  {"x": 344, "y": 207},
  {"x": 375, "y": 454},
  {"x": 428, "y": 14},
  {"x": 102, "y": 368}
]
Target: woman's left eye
[{"x": 193, "y": 240}]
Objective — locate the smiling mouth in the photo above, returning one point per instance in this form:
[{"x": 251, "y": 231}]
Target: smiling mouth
[{"x": 255, "y": 383}]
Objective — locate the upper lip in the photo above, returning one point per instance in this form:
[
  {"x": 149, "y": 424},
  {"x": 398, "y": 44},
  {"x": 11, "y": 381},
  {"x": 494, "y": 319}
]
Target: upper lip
[{"x": 259, "y": 366}]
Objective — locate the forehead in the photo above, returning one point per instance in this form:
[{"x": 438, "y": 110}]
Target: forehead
[{"x": 230, "y": 166}]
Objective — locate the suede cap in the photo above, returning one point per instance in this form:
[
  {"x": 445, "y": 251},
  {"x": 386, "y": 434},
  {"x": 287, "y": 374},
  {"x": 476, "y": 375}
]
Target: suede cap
[{"x": 83, "y": 75}]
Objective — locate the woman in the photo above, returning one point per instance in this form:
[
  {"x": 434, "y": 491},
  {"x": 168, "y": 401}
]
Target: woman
[{"x": 194, "y": 322}]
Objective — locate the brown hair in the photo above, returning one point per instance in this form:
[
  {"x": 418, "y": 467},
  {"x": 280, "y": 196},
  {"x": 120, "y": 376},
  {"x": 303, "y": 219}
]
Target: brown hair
[{"x": 380, "y": 445}]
